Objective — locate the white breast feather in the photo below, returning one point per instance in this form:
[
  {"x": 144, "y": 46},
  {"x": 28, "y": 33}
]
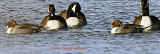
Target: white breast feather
[
  {"x": 113, "y": 31},
  {"x": 72, "y": 21},
  {"x": 146, "y": 22},
  {"x": 53, "y": 24},
  {"x": 9, "y": 30}
]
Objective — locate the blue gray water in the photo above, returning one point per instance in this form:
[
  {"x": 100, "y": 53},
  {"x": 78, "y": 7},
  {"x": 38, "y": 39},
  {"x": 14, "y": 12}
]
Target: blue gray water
[{"x": 95, "y": 36}]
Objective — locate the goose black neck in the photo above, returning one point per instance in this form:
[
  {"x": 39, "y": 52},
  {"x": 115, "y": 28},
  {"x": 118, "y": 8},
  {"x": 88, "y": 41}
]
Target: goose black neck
[
  {"x": 51, "y": 14},
  {"x": 145, "y": 11},
  {"x": 70, "y": 13},
  {"x": 145, "y": 7},
  {"x": 52, "y": 17}
]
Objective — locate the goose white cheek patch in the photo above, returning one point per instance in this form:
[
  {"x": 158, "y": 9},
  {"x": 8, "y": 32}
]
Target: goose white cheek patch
[
  {"x": 48, "y": 10},
  {"x": 147, "y": 5},
  {"x": 74, "y": 8}
]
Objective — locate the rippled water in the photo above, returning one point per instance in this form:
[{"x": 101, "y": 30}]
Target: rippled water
[{"x": 95, "y": 36}]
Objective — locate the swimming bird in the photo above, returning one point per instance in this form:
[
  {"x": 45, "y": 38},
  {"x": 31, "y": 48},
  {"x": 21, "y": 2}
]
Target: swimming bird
[
  {"x": 52, "y": 21},
  {"x": 14, "y": 28},
  {"x": 118, "y": 28},
  {"x": 73, "y": 16},
  {"x": 146, "y": 20}
]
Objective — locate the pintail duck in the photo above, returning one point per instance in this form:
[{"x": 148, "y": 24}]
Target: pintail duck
[
  {"x": 14, "y": 28},
  {"x": 118, "y": 28}
]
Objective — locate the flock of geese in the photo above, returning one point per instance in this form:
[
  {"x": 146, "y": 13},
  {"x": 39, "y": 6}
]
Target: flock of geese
[
  {"x": 73, "y": 17},
  {"x": 141, "y": 24}
]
